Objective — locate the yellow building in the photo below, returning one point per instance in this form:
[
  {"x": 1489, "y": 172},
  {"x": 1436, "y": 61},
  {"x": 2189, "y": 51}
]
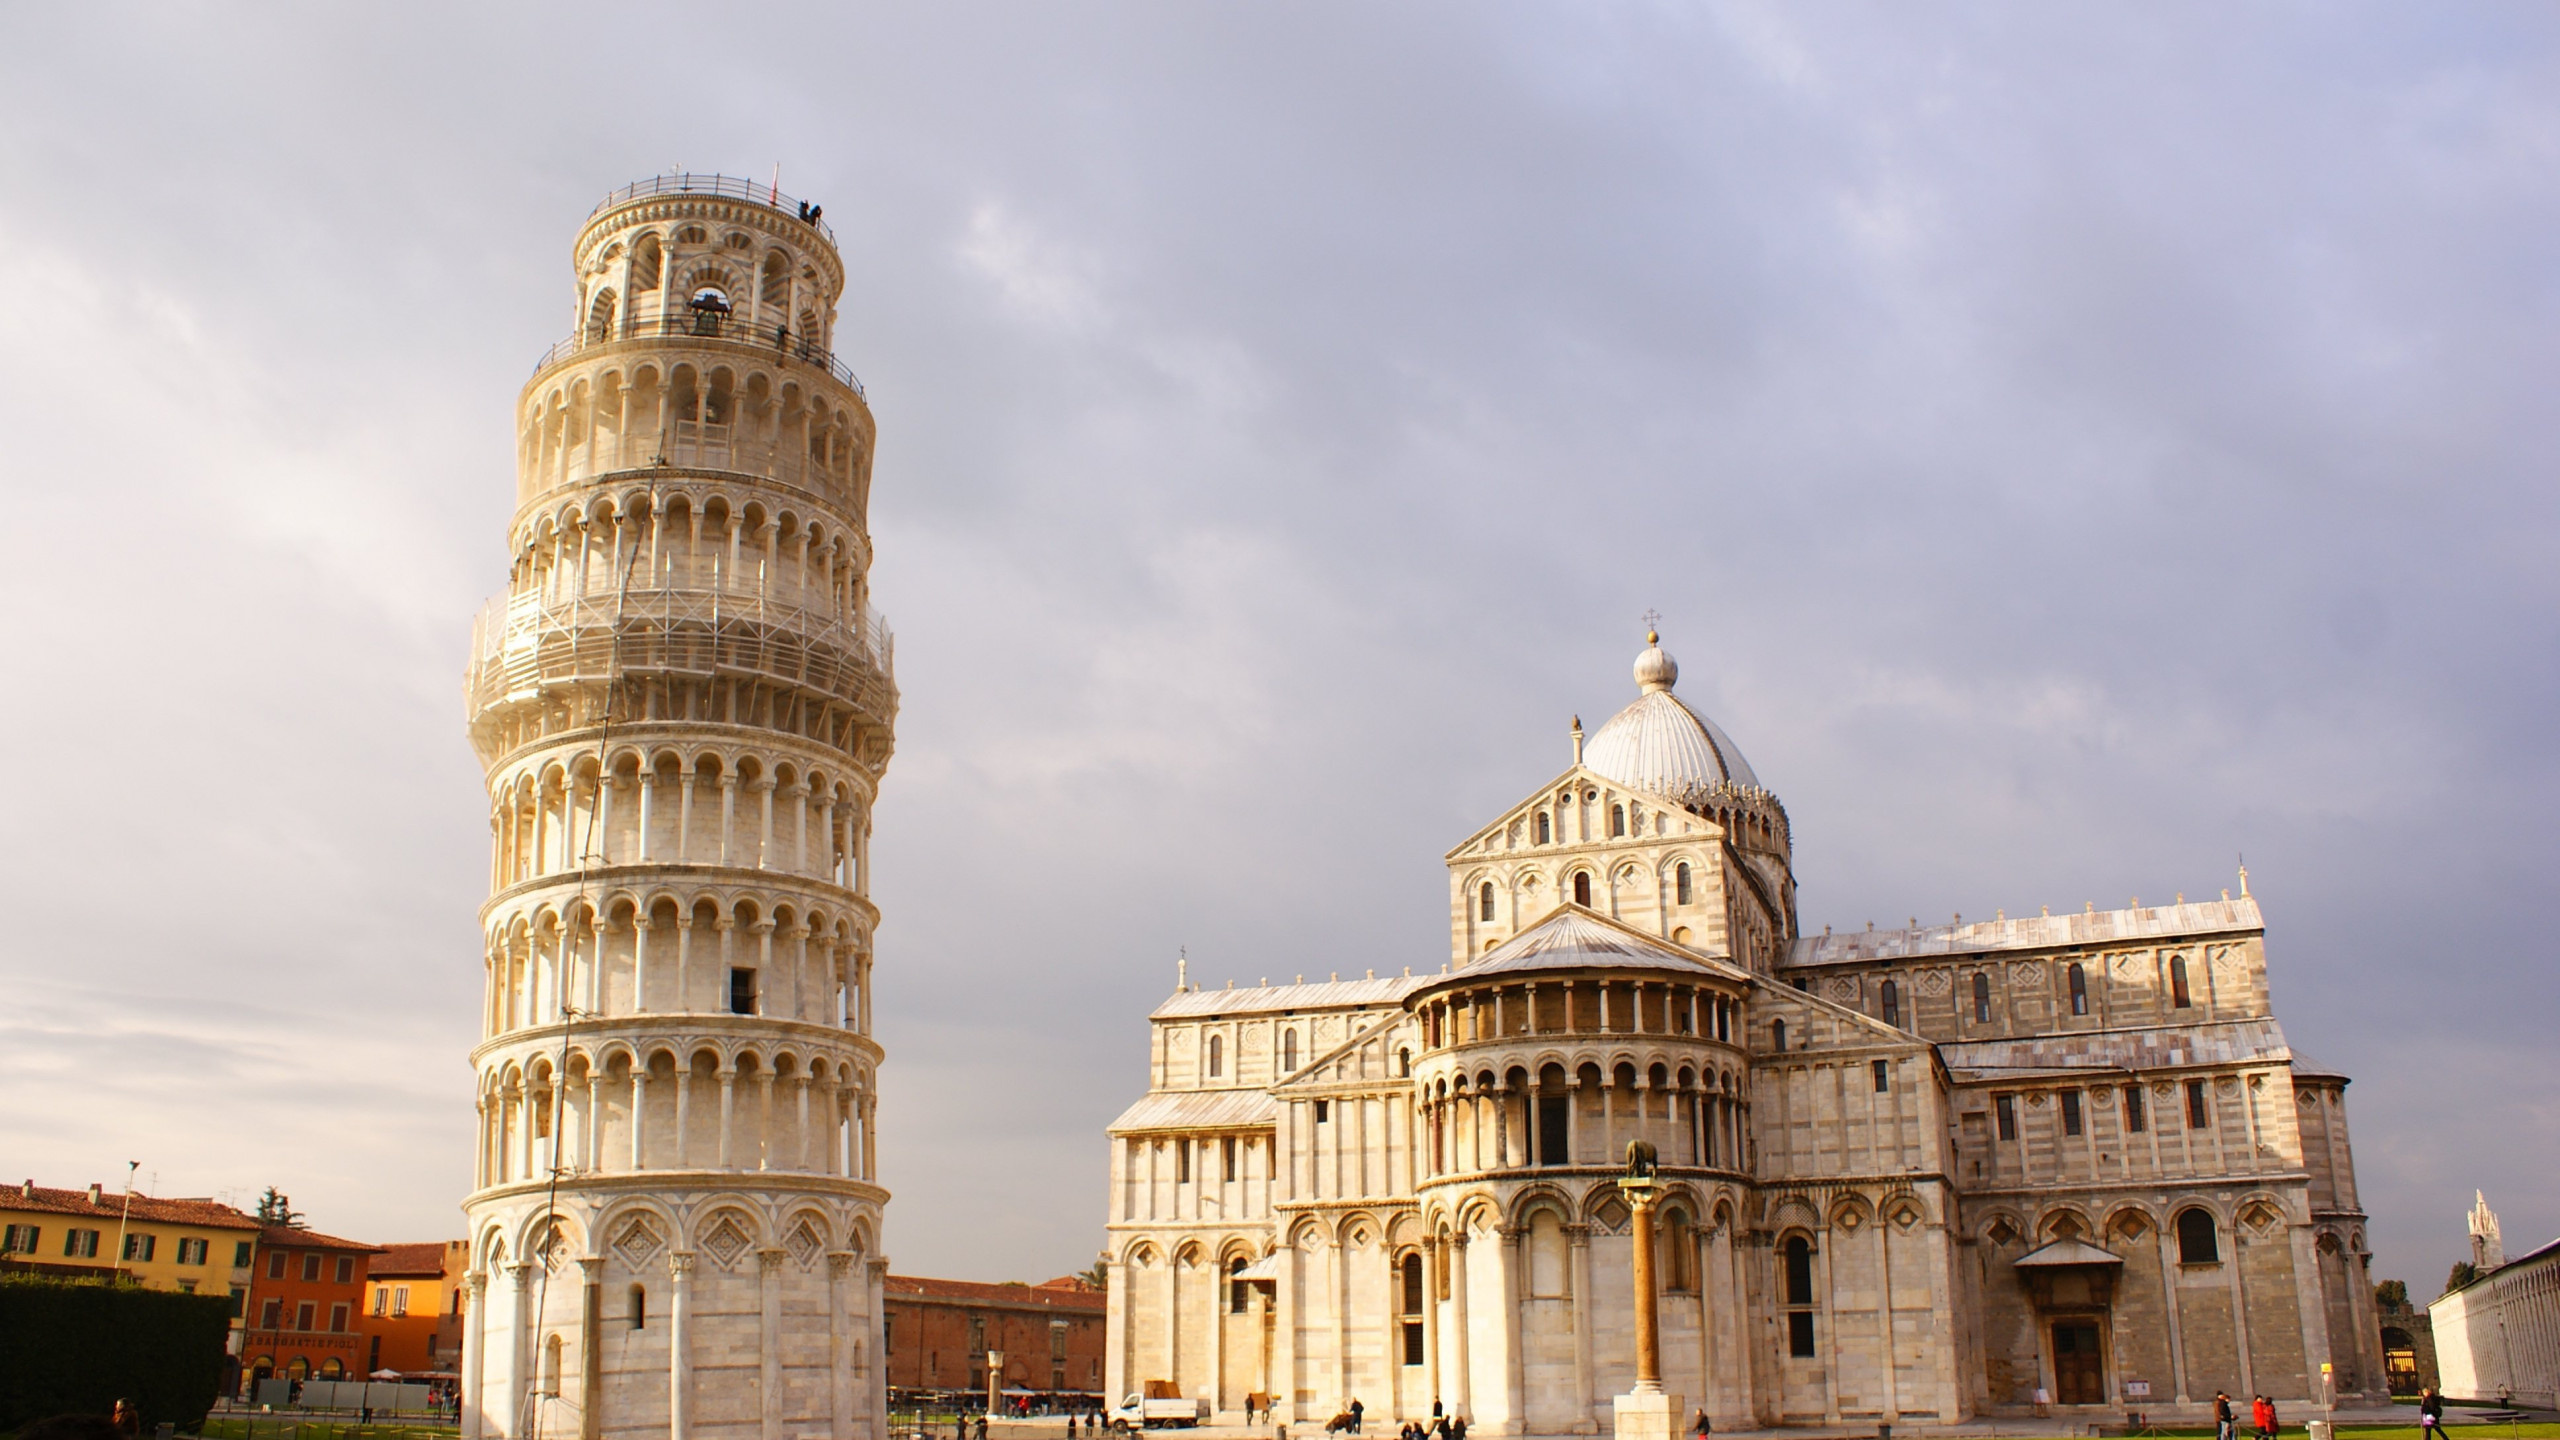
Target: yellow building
[{"x": 195, "y": 1246}]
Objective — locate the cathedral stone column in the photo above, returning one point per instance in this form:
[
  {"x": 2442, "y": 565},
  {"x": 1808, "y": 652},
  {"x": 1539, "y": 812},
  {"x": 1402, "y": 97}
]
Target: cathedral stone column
[
  {"x": 1515, "y": 1394},
  {"x": 1583, "y": 1421},
  {"x": 1462, "y": 1392}
]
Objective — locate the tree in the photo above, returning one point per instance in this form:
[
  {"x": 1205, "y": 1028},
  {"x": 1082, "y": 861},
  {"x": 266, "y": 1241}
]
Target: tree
[
  {"x": 2463, "y": 1273},
  {"x": 1095, "y": 1275},
  {"x": 277, "y": 1209},
  {"x": 2391, "y": 1294}
]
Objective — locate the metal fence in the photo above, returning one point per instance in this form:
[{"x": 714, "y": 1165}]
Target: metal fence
[{"x": 726, "y": 187}]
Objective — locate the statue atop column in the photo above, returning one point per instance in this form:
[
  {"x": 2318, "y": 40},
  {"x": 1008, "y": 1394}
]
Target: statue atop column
[{"x": 1645, "y": 1412}]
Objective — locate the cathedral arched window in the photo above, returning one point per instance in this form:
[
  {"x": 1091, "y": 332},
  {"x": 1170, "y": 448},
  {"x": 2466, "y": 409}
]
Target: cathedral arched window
[
  {"x": 2079, "y": 989},
  {"x": 1217, "y": 1056},
  {"x": 2197, "y": 1244},
  {"x": 1799, "y": 1286},
  {"x": 1582, "y": 887},
  {"x": 2178, "y": 995},
  {"x": 1777, "y": 1034},
  {"x": 1680, "y": 883},
  {"x": 639, "y": 1308},
  {"x": 1484, "y": 901},
  {"x": 1404, "y": 1064},
  {"x": 1409, "y": 1288},
  {"x": 1239, "y": 1289},
  {"x": 1981, "y": 998},
  {"x": 1681, "y": 1241},
  {"x": 1546, "y": 828},
  {"x": 550, "y": 1384},
  {"x": 645, "y": 258},
  {"x": 1890, "y": 997},
  {"x": 1288, "y": 1051},
  {"x": 1617, "y": 821}
]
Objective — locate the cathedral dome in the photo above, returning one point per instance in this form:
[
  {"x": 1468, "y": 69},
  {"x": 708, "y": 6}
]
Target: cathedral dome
[{"x": 1659, "y": 744}]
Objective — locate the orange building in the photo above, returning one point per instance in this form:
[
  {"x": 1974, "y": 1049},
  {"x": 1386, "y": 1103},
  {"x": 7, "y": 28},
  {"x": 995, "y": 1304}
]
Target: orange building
[
  {"x": 937, "y": 1334},
  {"x": 413, "y": 1308},
  {"x": 306, "y": 1307}
]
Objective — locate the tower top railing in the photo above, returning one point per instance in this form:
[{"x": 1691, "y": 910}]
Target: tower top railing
[
  {"x": 775, "y": 339},
  {"x": 727, "y": 187}
]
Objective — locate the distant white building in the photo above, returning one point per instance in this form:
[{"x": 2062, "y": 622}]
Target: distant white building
[{"x": 2498, "y": 1338}]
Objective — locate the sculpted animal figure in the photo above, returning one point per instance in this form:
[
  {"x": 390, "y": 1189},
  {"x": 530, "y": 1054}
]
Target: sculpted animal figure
[{"x": 1641, "y": 1159}]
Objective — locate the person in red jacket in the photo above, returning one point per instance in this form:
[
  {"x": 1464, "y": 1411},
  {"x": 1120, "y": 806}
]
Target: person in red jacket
[{"x": 2263, "y": 1413}]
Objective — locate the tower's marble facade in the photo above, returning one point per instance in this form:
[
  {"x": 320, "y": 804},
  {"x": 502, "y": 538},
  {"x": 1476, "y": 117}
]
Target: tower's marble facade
[
  {"x": 684, "y": 705},
  {"x": 1912, "y": 1176}
]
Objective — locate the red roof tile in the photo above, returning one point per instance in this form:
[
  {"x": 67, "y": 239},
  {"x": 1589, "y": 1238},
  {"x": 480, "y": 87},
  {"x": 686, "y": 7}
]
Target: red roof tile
[
  {"x": 919, "y": 1287},
  {"x": 285, "y": 1237},
  {"x": 422, "y": 1258},
  {"x": 110, "y": 1205}
]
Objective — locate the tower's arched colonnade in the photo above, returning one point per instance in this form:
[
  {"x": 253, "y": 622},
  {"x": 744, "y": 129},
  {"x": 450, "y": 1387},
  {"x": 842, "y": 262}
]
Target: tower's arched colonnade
[{"x": 684, "y": 703}]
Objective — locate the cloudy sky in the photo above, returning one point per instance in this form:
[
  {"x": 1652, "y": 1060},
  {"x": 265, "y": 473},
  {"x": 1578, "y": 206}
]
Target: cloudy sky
[{"x": 2071, "y": 447}]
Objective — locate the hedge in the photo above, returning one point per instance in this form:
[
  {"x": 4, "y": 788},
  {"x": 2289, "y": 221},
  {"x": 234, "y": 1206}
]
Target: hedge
[{"x": 77, "y": 1346}]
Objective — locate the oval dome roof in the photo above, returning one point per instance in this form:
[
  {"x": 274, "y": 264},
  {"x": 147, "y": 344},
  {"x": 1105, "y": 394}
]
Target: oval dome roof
[{"x": 1659, "y": 744}]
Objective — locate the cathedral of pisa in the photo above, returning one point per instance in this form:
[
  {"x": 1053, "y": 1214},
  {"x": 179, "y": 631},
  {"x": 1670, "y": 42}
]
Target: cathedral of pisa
[{"x": 2057, "y": 1164}]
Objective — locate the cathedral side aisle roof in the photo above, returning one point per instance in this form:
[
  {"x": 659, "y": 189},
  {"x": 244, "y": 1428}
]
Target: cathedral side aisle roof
[
  {"x": 2166, "y": 1047},
  {"x": 1255, "y": 999},
  {"x": 1198, "y": 1110},
  {"x": 2030, "y": 932}
]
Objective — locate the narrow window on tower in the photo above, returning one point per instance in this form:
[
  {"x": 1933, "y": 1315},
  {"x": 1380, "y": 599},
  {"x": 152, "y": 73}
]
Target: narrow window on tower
[
  {"x": 2006, "y": 1108},
  {"x": 2079, "y": 989},
  {"x": 742, "y": 990},
  {"x": 2133, "y": 1118},
  {"x": 1883, "y": 1076},
  {"x": 639, "y": 1308},
  {"x": 1288, "y": 1052},
  {"x": 1891, "y": 997},
  {"x": 1777, "y": 1034},
  {"x": 2070, "y": 1112},
  {"x": 2178, "y": 982},
  {"x": 2197, "y": 1116},
  {"x": 1680, "y": 883},
  {"x": 1227, "y": 1158},
  {"x": 1217, "y": 1055},
  {"x": 1182, "y": 1162},
  {"x": 1409, "y": 1276},
  {"x": 1239, "y": 1289},
  {"x": 1617, "y": 821},
  {"x": 1484, "y": 901},
  {"x": 1981, "y": 998},
  {"x": 1324, "y": 1111},
  {"x": 1546, "y": 830},
  {"x": 1582, "y": 888}
]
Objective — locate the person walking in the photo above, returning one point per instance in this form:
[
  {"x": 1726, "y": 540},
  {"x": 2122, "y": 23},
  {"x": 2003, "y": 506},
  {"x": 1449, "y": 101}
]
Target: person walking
[
  {"x": 2430, "y": 1414},
  {"x": 2262, "y": 1415},
  {"x": 1355, "y": 1412},
  {"x": 1700, "y": 1428},
  {"x": 2223, "y": 1421}
]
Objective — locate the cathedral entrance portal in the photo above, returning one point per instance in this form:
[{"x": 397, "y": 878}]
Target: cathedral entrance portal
[{"x": 2079, "y": 1374}]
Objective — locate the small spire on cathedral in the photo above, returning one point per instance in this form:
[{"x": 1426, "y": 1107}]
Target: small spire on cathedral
[
  {"x": 2244, "y": 877},
  {"x": 1577, "y": 739},
  {"x": 1182, "y": 971}
]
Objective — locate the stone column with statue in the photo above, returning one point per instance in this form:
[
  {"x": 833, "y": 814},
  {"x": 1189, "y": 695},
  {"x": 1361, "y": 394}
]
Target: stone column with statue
[{"x": 1645, "y": 1412}]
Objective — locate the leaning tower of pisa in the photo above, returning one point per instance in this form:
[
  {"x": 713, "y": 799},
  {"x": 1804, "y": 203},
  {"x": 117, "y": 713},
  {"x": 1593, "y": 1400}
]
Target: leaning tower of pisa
[{"x": 684, "y": 706}]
